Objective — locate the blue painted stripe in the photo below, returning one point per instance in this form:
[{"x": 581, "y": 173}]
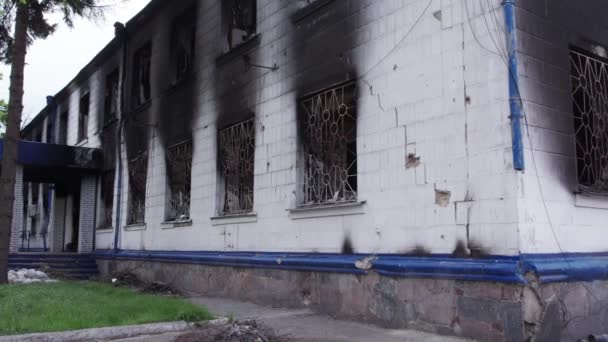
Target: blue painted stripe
[
  {"x": 502, "y": 269},
  {"x": 548, "y": 268}
]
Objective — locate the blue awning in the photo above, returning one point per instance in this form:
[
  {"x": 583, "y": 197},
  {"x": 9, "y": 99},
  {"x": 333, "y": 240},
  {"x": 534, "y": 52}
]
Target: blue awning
[{"x": 41, "y": 155}]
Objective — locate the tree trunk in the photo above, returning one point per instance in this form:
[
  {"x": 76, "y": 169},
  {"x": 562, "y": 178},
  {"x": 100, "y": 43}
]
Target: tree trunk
[{"x": 9, "y": 158}]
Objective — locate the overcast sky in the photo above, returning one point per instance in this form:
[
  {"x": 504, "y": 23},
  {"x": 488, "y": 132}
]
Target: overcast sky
[{"x": 53, "y": 62}]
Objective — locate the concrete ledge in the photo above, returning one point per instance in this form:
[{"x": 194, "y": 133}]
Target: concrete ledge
[
  {"x": 551, "y": 268},
  {"x": 112, "y": 333}
]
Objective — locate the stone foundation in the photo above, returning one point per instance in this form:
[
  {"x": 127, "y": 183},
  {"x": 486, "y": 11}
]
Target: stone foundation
[{"x": 480, "y": 310}]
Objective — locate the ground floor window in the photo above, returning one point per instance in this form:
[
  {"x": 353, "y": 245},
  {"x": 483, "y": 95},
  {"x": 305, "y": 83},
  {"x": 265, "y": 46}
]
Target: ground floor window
[
  {"x": 589, "y": 79},
  {"x": 106, "y": 199},
  {"x": 138, "y": 176},
  {"x": 236, "y": 158},
  {"x": 179, "y": 176},
  {"x": 328, "y": 132}
]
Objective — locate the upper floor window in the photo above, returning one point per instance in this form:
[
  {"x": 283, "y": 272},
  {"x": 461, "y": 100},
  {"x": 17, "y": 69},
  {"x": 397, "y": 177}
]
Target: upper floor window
[
  {"x": 239, "y": 17},
  {"x": 236, "y": 157},
  {"x": 183, "y": 35},
  {"x": 589, "y": 78},
  {"x": 328, "y": 127},
  {"x": 141, "y": 75},
  {"x": 111, "y": 96},
  {"x": 83, "y": 116},
  {"x": 62, "y": 138}
]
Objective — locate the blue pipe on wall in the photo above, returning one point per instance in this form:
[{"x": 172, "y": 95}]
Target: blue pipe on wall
[{"x": 515, "y": 103}]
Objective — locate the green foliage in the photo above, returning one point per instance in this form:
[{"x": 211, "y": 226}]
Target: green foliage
[
  {"x": 77, "y": 305},
  {"x": 38, "y": 25}
]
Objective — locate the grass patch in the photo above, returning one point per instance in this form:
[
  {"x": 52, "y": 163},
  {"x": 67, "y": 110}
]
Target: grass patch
[{"x": 81, "y": 305}]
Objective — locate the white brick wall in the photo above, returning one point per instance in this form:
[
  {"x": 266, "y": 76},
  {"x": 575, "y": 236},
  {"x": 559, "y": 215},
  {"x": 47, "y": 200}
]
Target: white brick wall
[
  {"x": 546, "y": 29},
  {"x": 17, "y": 224},
  {"x": 437, "y": 92}
]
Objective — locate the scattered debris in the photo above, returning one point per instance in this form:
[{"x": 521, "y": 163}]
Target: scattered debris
[
  {"x": 28, "y": 276},
  {"x": 127, "y": 279},
  {"x": 239, "y": 331}
]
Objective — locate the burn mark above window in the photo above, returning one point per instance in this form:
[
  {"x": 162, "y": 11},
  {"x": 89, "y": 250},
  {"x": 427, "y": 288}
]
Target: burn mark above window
[
  {"x": 328, "y": 129},
  {"x": 111, "y": 97},
  {"x": 240, "y": 21},
  {"x": 183, "y": 38},
  {"x": 142, "y": 60},
  {"x": 83, "y": 116},
  {"x": 589, "y": 79},
  {"x": 236, "y": 158}
]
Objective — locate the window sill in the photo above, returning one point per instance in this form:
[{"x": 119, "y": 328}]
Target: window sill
[
  {"x": 104, "y": 230},
  {"x": 135, "y": 227},
  {"x": 327, "y": 210},
  {"x": 176, "y": 224},
  {"x": 82, "y": 142},
  {"x": 309, "y": 10},
  {"x": 234, "y": 219},
  {"x": 584, "y": 200},
  {"x": 238, "y": 50}
]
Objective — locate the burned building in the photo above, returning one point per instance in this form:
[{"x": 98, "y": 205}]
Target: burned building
[{"x": 428, "y": 164}]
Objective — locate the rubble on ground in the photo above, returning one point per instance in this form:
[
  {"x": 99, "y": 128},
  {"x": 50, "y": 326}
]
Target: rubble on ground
[
  {"x": 238, "y": 331},
  {"x": 126, "y": 279},
  {"x": 28, "y": 276}
]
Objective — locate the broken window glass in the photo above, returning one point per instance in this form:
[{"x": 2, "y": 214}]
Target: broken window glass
[
  {"x": 179, "y": 175},
  {"x": 141, "y": 75},
  {"x": 138, "y": 176},
  {"x": 236, "y": 156},
  {"x": 182, "y": 44},
  {"x": 83, "y": 117},
  {"x": 328, "y": 128},
  {"x": 589, "y": 79},
  {"x": 240, "y": 17},
  {"x": 111, "y": 97}
]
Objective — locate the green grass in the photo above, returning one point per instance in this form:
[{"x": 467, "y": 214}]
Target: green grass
[{"x": 80, "y": 305}]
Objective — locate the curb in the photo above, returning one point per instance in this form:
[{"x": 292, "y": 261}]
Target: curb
[{"x": 113, "y": 333}]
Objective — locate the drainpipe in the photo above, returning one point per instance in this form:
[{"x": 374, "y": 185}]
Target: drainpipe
[
  {"x": 515, "y": 102},
  {"x": 52, "y": 106},
  {"x": 120, "y": 33}
]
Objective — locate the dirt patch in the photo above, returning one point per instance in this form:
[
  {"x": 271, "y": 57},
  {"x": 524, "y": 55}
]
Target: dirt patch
[{"x": 238, "y": 331}]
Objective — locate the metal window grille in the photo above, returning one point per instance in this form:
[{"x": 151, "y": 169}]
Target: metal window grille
[
  {"x": 589, "y": 78},
  {"x": 236, "y": 156},
  {"x": 138, "y": 175},
  {"x": 179, "y": 176},
  {"x": 107, "y": 199},
  {"x": 328, "y": 124}
]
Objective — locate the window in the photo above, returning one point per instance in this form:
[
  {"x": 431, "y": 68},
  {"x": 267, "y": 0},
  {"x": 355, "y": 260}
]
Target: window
[
  {"x": 83, "y": 117},
  {"x": 141, "y": 75},
  {"x": 111, "y": 97},
  {"x": 138, "y": 176},
  {"x": 179, "y": 175},
  {"x": 589, "y": 78},
  {"x": 183, "y": 40},
  {"x": 62, "y": 139},
  {"x": 236, "y": 155},
  {"x": 328, "y": 128},
  {"x": 107, "y": 199},
  {"x": 239, "y": 20}
]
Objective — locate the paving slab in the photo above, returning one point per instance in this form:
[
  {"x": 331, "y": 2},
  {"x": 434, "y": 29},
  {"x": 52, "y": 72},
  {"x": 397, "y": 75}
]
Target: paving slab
[{"x": 303, "y": 325}]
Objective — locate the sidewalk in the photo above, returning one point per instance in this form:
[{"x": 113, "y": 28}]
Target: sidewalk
[{"x": 303, "y": 325}]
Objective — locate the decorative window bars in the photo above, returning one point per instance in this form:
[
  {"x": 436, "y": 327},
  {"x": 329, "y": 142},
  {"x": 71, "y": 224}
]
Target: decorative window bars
[
  {"x": 236, "y": 158},
  {"x": 179, "y": 177},
  {"x": 138, "y": 176},
  {"x": 589, "y": 78},
  {"x": 107, "y": 199},
  {"x": 328, "y": 126}
]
